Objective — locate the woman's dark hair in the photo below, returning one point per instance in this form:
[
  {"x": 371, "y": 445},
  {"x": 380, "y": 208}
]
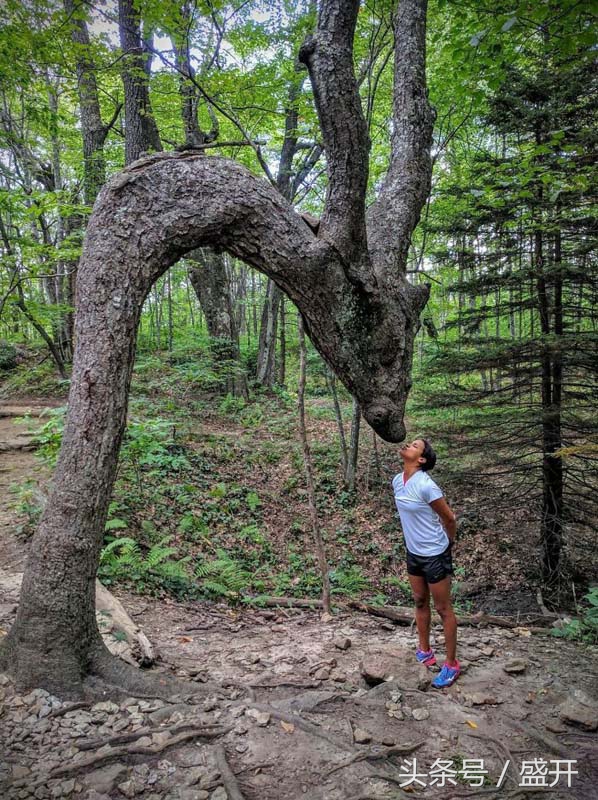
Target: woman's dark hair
[{"x": 430, "y": 456}]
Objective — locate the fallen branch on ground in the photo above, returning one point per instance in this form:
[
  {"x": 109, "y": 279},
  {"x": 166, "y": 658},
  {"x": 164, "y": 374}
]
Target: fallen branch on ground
[
  {"x": 405, "y": 616},
  {"x": 282, "y": 602}
]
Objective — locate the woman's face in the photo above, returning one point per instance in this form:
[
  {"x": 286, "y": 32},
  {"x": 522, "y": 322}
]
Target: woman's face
[{"x": 412, "y": 452}]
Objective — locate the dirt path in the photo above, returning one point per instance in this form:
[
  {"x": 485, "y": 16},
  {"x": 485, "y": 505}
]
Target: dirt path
[{"x": 290, "y": 698}]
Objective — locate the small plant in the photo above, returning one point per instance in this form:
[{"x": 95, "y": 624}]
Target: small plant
[
  {"x": 584, "y": 629},
  {"x": 222, "y": 577},
  {"x": 27, "y": 503},
  {"x": 48, "y": 438},
  {"x": 350, "y": 582},
  {"x": 123, "y": 559}
]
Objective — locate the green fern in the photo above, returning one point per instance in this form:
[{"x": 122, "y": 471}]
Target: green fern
[
  {"x": 122, "y": 559},
  {"x": 222, "y": 577}
]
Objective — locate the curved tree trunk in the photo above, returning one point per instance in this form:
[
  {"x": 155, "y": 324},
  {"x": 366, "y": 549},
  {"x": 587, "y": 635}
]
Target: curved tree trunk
[{"x": 362, "y": 319}]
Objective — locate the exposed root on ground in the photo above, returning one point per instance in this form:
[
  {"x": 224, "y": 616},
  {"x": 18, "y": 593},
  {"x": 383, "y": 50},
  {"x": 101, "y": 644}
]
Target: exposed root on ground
[
  {"x": 112, "y": 673},
  {"x": 304, "y": 725},
  {"x": 377, "y": 753},
  {"x": 100, "y": 759},
  {"x": 227, "y": 775},
  {"x": 124, "y": 738}
]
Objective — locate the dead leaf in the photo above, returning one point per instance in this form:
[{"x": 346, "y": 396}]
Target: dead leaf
[
  {"x": 185, "y": 639},
  {"x": 287, "y": 726},
  {"x": 471, "y": 723},
  {"x": 522, "y": 631}
]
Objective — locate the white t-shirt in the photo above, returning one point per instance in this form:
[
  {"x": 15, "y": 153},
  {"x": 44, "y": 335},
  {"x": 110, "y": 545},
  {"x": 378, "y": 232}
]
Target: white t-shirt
[{"x": 423, "y": 530}]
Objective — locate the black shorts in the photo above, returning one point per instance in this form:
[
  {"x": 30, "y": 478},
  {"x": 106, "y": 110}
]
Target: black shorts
[{"x": 431, "y": 568}]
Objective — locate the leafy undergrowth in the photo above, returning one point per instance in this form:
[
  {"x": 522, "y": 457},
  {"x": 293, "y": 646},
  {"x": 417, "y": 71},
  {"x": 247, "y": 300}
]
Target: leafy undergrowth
[{"x": 210, "y": 501}]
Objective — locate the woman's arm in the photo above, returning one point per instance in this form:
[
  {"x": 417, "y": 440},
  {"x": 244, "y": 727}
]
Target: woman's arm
[{"x": 447, "y": 517}]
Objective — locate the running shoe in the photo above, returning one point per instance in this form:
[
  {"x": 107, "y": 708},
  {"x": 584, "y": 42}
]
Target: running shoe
[
  {"x": 426, "y": 657},
  {"x": 447, "y": 675}
]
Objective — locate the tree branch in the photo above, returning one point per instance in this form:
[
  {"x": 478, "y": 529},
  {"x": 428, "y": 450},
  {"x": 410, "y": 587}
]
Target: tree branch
[
  {"x": 393, "y": 217},
  {"x": 328, "y": 56}
]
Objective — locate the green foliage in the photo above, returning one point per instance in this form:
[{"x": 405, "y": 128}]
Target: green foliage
[
  {"x": 153, "y": 571},
  {"x": 27, "y": 504},
  {"x": 585, "y": 628},
  {"x": 8, "y": 355},
  {"x": 48, "y": 438},
  {"x": 222, "y": 577},
  {"x": 350, "y": 581}
]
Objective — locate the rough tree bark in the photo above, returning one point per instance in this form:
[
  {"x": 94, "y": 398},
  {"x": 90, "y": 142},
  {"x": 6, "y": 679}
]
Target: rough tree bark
[
  {"x": 141, "y": 131},
  {"x": 357, "y": 306}
]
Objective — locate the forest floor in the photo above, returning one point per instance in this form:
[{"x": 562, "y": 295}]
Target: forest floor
[{"x": 291, "y": 704}]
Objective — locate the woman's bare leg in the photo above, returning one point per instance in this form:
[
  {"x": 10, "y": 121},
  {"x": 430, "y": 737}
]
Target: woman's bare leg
[
  {"x": 441, "y": 592},
  {"x": 421, "y": 595}
]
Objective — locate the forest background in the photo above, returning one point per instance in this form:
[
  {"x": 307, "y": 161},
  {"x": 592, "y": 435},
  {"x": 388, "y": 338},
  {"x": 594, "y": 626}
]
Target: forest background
[{"x": 211, "y": 497}]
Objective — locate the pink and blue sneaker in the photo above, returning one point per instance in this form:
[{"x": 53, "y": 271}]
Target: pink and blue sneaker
[
  {"x": 426, "y": 657},
  {"x": 447, "y": 675}
]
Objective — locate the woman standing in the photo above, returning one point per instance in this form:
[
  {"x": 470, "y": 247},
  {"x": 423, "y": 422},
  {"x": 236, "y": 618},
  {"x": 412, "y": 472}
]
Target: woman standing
[{"x": 429, "y": 526}]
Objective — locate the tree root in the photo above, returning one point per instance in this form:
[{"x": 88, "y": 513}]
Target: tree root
[
  {"x": 124, "y": 738},
  {"x": 118, "y": 753},
  {"x": 227, "y": 775},
  {"x": 377, "y": 754},
  {"x": 120, "y": 676},
  {"x": 304, "y": 725},
  {"x": 60, "y": 712},
  {"x": 551, "y": 742}
]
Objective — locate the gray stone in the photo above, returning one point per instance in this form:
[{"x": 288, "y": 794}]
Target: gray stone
[
  {"x": 342, "y": 643},
  {"x": 262, "y": 718},
  {"x": 516, "y": 666},
  {"x": 144, "y": 741},
  {"x": 376, "y": 670},
  {"x": 420, "y": 714},
  {"x": 20, "y": 771},
  {"x": 193, "y": 775},
  {"x": 108, "y": 707},
  {"x": 120, "y": 725},
  {"x": 130, "y": 788},
  {"x": 483, "y": 699},
  {"x": 361, "y": 736},
  {"x": 105, "y": 779},
  {"x": 578, "y": 714},
  {"x": 321, "y": 674},
  {"x": 219, "y": 794},
  {"x": 160, "y": 738}
]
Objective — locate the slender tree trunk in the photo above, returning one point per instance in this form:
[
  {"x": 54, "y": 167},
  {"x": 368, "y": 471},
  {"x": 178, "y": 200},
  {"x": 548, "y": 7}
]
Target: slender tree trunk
[
  {"x": 266, "y": 362},
  {"x": 282, "y": 364},
  {"x": 352, "y": 456},
  {"x": 309, "y": 477},
  {"x": 331, "y": 381}
]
